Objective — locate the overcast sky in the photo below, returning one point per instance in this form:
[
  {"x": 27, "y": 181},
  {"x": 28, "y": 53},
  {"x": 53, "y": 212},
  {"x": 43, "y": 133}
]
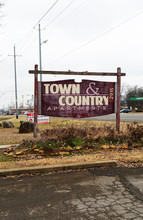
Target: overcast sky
[{"x": 93, "y": 35}]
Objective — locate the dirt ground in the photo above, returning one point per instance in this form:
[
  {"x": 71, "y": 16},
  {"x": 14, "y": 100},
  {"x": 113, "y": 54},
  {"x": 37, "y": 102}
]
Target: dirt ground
[{"x": 127, "y": 158}]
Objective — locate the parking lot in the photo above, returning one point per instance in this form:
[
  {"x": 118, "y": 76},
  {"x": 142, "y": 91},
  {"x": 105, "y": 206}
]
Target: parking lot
[{"x": 114, "y": 193}]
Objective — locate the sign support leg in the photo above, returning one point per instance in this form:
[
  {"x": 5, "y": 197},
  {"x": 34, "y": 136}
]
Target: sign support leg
[
  {"x": 118, "y": 99},
  {"x": 35, "y": 100}
]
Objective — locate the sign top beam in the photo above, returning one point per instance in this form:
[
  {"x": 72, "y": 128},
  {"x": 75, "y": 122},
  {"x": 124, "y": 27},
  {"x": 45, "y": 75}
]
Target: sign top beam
[{"x": 76, "y": 73}]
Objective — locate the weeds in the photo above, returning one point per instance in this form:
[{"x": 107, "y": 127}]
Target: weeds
[
  {"x": 75, "y": 135},
  {"x": 92, "y": 136},
  {"x": 135, "y": 132},
  {"x": 4, "y": 158}
]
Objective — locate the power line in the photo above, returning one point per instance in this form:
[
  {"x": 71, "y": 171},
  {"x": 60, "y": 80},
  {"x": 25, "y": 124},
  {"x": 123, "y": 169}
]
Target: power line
[
  {"x": 2, "y": 94},
  {"x": 60, "y": 13},
  {"x": 88, "y": 42},
  {"x": 73, "y": 12},
  {"x": 99, "y": 36},
  {"x": 46, "y": 12},
  {"x": 28, "y": 35},
  {"x": 30, "y": 32}
]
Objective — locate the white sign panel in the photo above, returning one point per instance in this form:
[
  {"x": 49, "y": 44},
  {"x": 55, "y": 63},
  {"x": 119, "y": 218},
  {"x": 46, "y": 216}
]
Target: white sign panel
[{"x": 41, "y": 119}]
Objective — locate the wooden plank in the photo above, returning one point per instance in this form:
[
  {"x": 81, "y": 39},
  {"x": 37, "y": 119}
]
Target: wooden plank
[{"x": 76, "y": 73}]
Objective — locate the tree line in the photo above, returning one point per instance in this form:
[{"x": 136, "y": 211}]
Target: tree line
[{"x": 132, "y": 92}]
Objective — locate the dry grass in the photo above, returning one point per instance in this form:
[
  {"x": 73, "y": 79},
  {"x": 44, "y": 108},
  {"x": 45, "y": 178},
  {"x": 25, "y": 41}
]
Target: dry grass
[
  {"x": 12, "y": 136},
  {"x": 65, "y": 128},
  {"x": 126, "y": 158}
]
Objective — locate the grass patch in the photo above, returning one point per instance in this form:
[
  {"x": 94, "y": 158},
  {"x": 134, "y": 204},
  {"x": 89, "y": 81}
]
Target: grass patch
[
  {"x": 77, "y": 142},
  {"x": 69, "y": 137},
  {"x": 4, "y": 158},
  {"x": 5, "y": 118},
  {"x": 73, "y": 132}
]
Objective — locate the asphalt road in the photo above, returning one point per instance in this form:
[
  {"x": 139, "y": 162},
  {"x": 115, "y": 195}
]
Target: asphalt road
[
  {"x": 124, "y": 117},
  {"x": 99, "y": 194}
]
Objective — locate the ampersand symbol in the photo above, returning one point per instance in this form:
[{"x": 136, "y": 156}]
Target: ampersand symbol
[{"x": 90, "y": 89}]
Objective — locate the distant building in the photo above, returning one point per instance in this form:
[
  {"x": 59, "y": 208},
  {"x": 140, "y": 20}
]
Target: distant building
[{"x": 20, "y": 111}]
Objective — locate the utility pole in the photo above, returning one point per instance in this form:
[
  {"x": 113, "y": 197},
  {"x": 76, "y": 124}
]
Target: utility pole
[
  {"x": 40, "y": 56},
  {"x": 15, "y": 83},
  {"x": 16, "y": 100},
  {"x": 40, "y": 62},
  {"x": 40, "y": 52}
]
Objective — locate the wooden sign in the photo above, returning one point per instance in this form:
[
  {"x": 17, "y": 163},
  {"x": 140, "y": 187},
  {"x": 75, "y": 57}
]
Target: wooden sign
[{"x": 77, "y": 100}]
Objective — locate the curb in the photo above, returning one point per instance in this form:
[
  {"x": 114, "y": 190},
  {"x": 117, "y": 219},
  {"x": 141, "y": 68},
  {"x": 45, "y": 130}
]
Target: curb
[
  {"x": 8, "y": 145},
  {"x": 56, "y": 168}
]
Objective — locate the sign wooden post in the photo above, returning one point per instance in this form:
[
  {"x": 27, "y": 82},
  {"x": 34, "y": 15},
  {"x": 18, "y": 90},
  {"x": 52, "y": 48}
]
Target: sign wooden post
[
  {"x": 35, "y": 100},
  {"x": 118, "y": 99}
]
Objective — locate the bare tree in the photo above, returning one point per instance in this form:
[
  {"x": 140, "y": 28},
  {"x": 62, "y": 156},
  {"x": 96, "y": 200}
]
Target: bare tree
[
  {"x": 1, "y": 14},
  {"x": 133, "y": 92}
]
